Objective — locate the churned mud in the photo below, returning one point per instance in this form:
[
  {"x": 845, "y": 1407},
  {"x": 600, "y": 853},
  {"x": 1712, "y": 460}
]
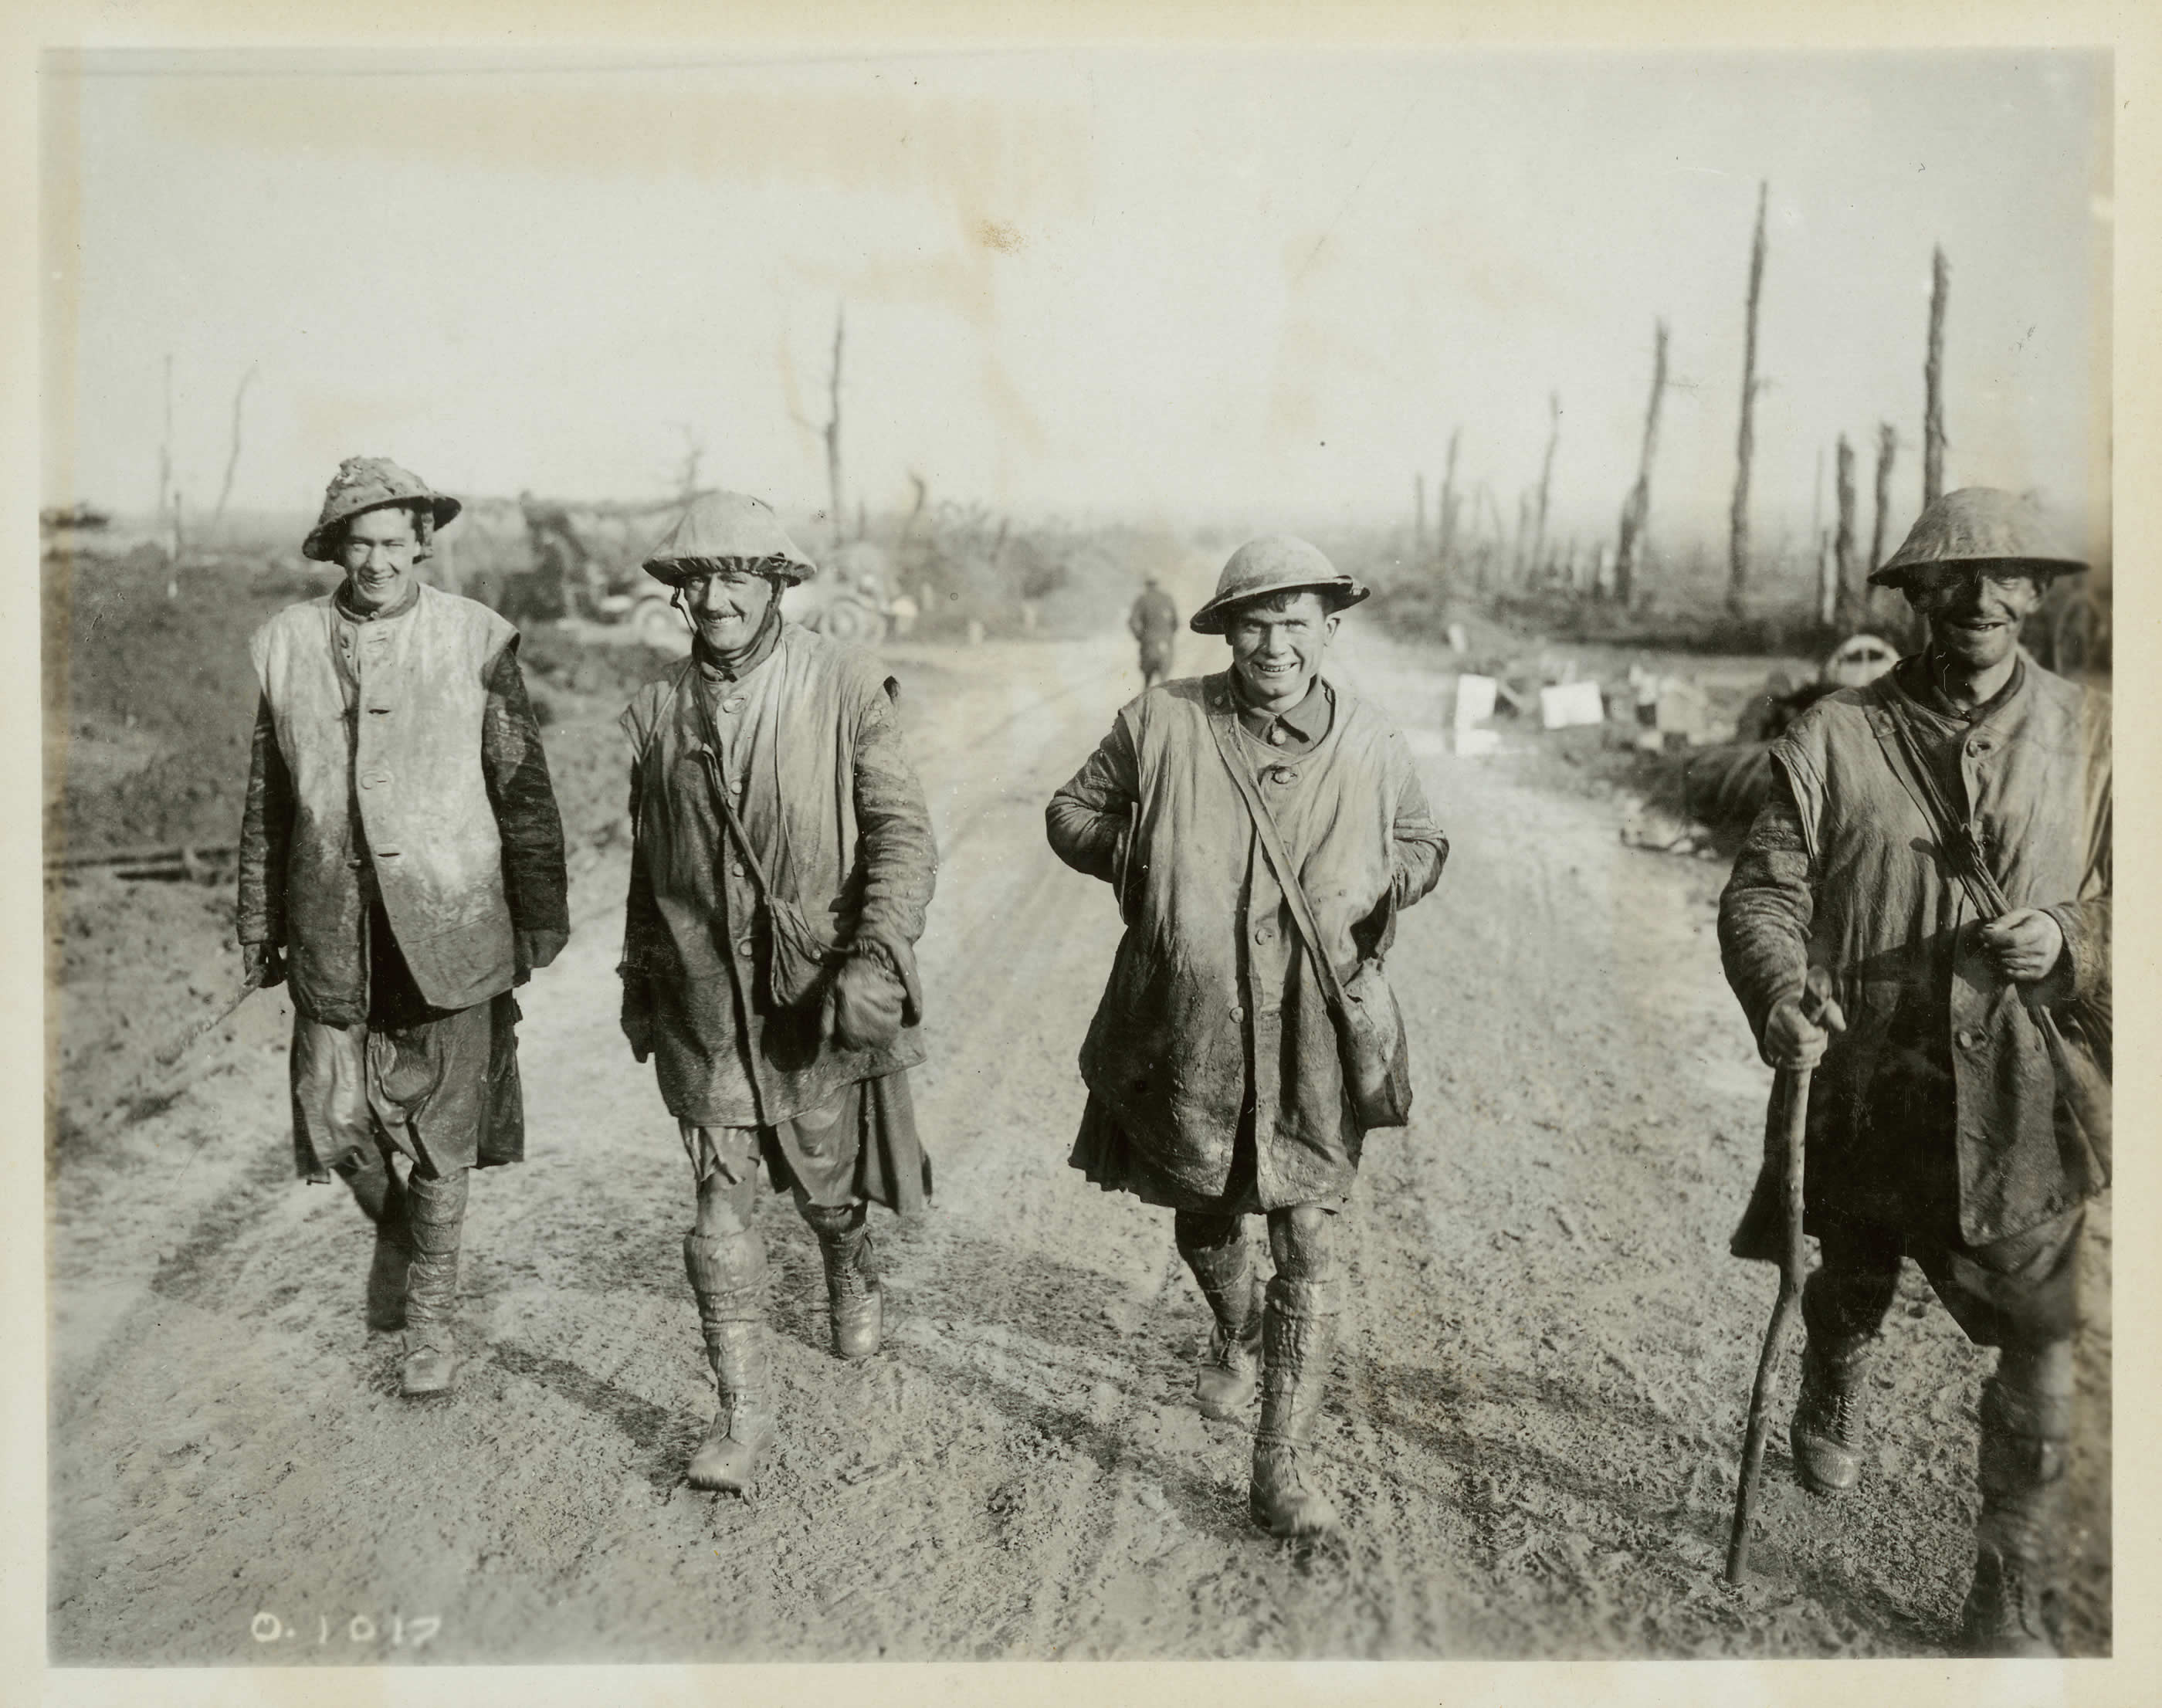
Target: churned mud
[{"x": 1536, "y": 1409}]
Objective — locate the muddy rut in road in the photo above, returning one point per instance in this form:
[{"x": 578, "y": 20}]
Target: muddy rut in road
[{"x": 1533, "y": 1429}]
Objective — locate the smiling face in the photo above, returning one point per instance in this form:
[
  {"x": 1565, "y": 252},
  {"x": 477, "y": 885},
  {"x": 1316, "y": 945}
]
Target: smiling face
[
  {"x": 378, "y": 552},
  {"x": 730, "y": 606},
  {"x": 1975, "y": 610},
  {"x": 1276, "y": 647}
]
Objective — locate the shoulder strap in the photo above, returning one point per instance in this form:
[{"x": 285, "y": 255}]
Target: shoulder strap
[
  {"x": 1955, "y": 838},
  {"x": 1265, "y": 829},
  {"x": 710, "y": 757}
]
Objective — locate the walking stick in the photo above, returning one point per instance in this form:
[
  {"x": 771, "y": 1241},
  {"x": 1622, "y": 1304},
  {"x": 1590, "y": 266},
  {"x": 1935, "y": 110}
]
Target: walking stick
[
  {"x": 172, "y": 1052},
  {"x": 1789, "y": 1116}
]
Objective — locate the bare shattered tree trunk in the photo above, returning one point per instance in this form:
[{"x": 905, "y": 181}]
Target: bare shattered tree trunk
[
  {"x": 1745, "y": 448},
  {"x": 1842, "y": 542},
  {"x": 1445, "y": 522},
  {"x": 1637, "y": 508},
  {"x": 1932, "y": 376},
  {"x": 232, "y": 452},
  {"x": 833, "y": 434},
  {"x": 1546, "y": 480},
  {"x": 1887, "y": 446}
]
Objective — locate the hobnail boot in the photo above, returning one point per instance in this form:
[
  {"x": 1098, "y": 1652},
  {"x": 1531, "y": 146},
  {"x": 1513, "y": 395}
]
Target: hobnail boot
[
  {"x": 855, "y": 1303},
  {"x": 1826, "y": 1433}
]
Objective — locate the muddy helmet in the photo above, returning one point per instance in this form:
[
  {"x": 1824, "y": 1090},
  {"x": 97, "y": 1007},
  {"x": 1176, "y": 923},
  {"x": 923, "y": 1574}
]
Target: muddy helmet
[
  {"x": 1980, "y": 525},
  {"x": 1274, "y": 563},
  {"x": 364, "y": 483},
  {"x": 726, "y": 527}
]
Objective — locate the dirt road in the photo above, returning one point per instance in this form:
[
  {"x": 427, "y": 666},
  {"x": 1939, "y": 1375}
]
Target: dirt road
[{"x": 1533, "y": 1427}]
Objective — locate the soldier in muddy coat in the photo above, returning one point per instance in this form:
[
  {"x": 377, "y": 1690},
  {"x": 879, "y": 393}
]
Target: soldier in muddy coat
[
  {"x": 401, "y": 868},
  {"x": 1945, "y": 1123},
  {"x": 1215, "y": 1087},
  {"x": 781, "y": 865}
]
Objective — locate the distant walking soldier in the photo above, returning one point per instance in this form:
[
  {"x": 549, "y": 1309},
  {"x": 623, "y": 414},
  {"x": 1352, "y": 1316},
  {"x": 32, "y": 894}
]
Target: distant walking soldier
[
  {"x": 1940, "y": 841},
  {"x": 1154, "y": 622},
  {"x": 401, "y": 868},
  {"x": 1217, "y": 1079},
  {"x": 781, "y": 864}
]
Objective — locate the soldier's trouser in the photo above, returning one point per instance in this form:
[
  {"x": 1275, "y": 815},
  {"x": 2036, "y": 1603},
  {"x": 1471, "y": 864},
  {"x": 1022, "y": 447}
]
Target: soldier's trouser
[{"x": 2017, "y": 1290}]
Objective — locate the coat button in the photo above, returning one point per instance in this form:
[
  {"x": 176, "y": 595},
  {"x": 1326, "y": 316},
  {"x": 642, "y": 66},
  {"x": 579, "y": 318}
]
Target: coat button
[
  {"x": 1262, "y": 933},
  {"x": 737, "y": 867},
  {"x": 744, "y": 948},
  {"x": 1968, "y": 1039},
  {"x": 373, "y": 780},
  {"x": 735, "y": 703},
  {"x": 1283, "y": 774},
  {"x": 1237, "y": 1012}
]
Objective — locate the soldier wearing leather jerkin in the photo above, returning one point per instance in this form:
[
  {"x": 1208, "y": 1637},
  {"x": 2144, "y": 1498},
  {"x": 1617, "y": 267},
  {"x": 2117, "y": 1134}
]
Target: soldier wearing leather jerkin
[{"x": 401, "y": 869}]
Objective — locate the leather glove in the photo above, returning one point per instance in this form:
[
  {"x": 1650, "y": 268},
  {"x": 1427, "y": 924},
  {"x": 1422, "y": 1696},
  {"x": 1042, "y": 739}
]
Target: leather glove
[
  {"x": 261, "y": 965},
  {"x": 637, "y": 1016},
  {"x": 866, "y": 1005},
  {"x": 535, "y": 949}
]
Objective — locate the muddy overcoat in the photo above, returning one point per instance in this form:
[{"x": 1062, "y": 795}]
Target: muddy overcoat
[
  {"x": 1867, "y": 897},
  {"x": 839, "y": 820},
  {"x": 1212, "y": 1006}
]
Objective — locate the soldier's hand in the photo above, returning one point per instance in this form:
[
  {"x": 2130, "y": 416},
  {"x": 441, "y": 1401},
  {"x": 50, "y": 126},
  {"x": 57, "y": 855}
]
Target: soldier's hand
[
  {"x": 2023, "y": 946},
  {"x": 637, "y": 1017},
  {"x": 867, "y": 1002},
  {"x": 1793, "y": 1040},
  {"x": 262, "y": 966}
]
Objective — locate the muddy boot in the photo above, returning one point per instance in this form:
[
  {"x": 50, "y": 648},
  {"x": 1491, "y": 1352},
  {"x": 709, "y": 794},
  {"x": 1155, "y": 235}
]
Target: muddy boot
[
  {"x": 1231, "y": 1367},
  {"x": 376, "y": 1189},
  {"x": 1298, "y": 1336},
  {"x": 2016, "y": 1606},
  {"x": 435, "y": 1211},
  {"x": 387, "y": 1272},
  {"x": 728, "y": 1277},
  {"x": 855, "y": 1305},
  {"x": 1826, "y": 1433}
]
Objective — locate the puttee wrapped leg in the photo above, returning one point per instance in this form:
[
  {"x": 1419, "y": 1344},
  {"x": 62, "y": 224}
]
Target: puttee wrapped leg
[
  {"x": 2016, "y": 1606},
  {"x": 727, "y": 1274},
  {"x": 436, "y": 1215},
  {"x": 1216, "y": 1250}
]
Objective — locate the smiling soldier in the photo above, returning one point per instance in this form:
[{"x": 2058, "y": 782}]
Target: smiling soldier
[
  {"x": 781, "y": 867},
  {"x": 1940, "y": 841},
  {"x": 401, "y": 865},
  {"x": 1239, "y": 818}
]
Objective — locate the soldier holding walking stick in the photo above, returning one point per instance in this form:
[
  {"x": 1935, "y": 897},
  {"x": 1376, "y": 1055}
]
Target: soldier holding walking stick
[{"x": 1940, "y": 840}]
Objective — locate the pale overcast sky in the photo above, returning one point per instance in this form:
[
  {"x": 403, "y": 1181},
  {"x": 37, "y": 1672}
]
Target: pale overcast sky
[{"x": 1254, "y": 283}]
